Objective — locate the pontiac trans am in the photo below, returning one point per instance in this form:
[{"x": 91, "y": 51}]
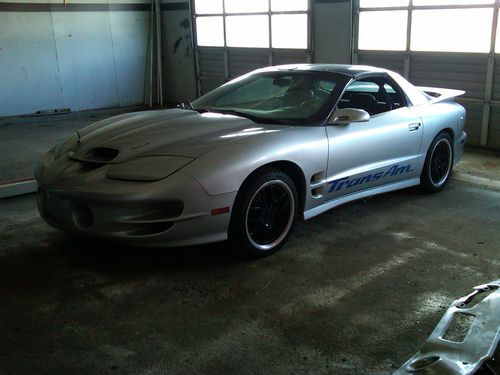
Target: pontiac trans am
[{"x": 247, "y": 160}]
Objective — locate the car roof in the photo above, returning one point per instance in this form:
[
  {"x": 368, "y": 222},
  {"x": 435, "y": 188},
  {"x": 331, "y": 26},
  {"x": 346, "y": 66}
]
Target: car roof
[{"x": 354, "y": 71}]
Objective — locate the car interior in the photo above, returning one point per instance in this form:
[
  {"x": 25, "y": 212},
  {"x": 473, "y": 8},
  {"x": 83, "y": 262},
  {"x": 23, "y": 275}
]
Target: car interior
[{"x": 372, "y": 95}]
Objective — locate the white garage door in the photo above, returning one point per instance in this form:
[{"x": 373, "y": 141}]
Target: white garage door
[
  {"x": 233, "y": 37},
  {"x": 443, "y": 43}
]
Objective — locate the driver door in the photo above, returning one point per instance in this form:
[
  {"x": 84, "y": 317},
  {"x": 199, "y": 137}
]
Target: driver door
[{"x": 378, "y": 152}]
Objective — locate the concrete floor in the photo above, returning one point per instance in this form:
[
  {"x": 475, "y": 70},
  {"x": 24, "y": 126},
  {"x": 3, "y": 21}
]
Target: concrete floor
[{"x": 356, "y": 290}]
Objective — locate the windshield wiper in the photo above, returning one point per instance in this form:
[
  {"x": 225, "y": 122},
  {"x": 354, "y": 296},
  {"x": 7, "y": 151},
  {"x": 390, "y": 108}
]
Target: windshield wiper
[
  {"x": 260, "y": 120},
  {"x": 187, "y": 106}
]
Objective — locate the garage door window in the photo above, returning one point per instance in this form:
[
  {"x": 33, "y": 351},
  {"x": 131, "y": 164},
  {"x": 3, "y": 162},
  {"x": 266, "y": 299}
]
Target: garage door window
[
  {"x": 247, "y": 31},
  {"x": 452, "y": 36},
  {"x": 252, "y": 24},
  {"x": 452, "y": 2},
  {"x": 210, "y": 31},
  {"x": 383, "y": 30},
  {"x": 436, "y": 25},
  {"x": 383, "y": 3}
]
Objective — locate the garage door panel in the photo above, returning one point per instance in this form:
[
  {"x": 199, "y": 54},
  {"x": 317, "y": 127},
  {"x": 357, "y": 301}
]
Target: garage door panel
[
  {"x": 244, "y": 60},
  {"x": 454, "y": 71},
  {"x": 281, "y": 57},
  {"x": 472, "y": 89},
  {"x": 211, "y": 62},
  {"x": 494, "y": 131},
  {"x": 473, "y": 122},
  {"x": 208, "y": 84},
  {"x": 496, "y": 80},
  {"x": 388, "y": 60}
]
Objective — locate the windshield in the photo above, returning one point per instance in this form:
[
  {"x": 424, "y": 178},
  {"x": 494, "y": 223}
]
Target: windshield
[{"x": 280, "y": 97}]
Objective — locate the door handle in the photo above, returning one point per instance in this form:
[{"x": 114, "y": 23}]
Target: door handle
[{"x": 414, "y": 127}]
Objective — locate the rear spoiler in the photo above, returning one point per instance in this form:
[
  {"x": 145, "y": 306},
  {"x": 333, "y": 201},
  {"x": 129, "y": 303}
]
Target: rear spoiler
[{"x": 439, "y": 95}]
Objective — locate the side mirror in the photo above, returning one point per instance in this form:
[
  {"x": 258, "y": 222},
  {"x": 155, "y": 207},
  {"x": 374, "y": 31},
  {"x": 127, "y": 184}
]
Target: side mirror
[{"x": 344, "y": 116}]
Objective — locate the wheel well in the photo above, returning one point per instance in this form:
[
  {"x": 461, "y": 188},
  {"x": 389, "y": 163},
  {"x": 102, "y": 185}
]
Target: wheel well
[
  {"x": 291, "y": 169},
  {"x": 450, "y": 132}
]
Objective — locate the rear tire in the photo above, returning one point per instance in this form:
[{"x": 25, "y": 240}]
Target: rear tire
[
  {"x": 438, "y": 164},
  {"x": 264, "y": 213}
]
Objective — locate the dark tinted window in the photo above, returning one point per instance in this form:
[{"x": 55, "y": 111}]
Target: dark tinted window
[{"x": 375, "y": 95}]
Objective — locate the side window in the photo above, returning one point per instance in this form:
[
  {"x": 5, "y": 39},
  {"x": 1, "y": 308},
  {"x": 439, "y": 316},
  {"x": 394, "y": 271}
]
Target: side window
[{"x": 375, "y": 95}]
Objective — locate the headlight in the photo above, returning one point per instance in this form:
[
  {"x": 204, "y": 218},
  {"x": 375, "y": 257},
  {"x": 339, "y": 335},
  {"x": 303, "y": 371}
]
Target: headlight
[
  {"x": 65, "y": 146},
  {"x": 147, "y": 168}
]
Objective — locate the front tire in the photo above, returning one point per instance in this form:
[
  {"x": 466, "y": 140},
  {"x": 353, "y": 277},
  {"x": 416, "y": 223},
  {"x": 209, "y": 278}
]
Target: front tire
[
  {"x": 264, "y": 213},
  {"x": 438, "y": 164}
]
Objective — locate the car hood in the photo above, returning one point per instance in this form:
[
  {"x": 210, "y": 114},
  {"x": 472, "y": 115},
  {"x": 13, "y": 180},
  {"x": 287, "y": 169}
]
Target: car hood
[{"x": 173, "y": 132}]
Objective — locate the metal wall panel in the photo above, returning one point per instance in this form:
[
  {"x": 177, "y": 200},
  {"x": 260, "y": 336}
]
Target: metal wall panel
[
  {"x": 29, "y": 77},
  {"x": 80, "y": 57},
  {"x": 84, "y": 53},
  {"x": 244, "y": 60},
  {"x": 388, "y": 60},
  {"x": 179, "y": 74},
  {"x": 289, "y": 56},
  {"x": 451, "y": 70},
  {"x": 129, "y": 32}
]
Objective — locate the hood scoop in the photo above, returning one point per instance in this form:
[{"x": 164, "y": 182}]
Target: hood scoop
[{"x": 98, "y": 155}]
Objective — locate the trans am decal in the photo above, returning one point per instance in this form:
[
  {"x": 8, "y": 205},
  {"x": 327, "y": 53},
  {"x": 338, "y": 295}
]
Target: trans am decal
[{"x": 347, "y": 182}]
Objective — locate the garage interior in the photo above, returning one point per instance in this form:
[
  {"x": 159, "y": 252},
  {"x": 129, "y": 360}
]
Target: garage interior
[{"x": 357, "y": 289}]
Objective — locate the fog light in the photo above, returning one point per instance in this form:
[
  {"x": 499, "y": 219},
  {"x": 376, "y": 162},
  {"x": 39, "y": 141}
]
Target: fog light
[{"x": 83, "y": 216}]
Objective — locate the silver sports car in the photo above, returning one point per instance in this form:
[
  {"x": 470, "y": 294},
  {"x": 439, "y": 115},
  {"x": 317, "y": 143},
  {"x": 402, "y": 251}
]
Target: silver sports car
[{"x": 248, "y": 159}]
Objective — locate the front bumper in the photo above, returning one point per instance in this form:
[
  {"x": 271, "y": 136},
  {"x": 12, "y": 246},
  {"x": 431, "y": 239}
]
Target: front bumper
[
  {"x": 441, "y": 355},
  {"x": 174, "y": 211}
]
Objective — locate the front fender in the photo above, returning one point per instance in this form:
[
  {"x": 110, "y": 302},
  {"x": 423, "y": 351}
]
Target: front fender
[{"x": 224, "y": 169}]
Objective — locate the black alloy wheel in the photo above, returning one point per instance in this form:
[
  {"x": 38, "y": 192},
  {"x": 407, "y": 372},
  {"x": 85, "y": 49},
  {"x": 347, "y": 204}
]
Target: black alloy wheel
[
  {"x": 438, "y": 163},
  {"x": 264, "y": 214}
]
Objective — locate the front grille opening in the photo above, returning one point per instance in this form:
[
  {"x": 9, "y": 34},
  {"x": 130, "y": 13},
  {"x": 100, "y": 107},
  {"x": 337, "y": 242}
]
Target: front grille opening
[
  {"x": 165, "y": 210},
  {"x": 151, "y": 229},
  {"x": 459, "y": 327}
]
